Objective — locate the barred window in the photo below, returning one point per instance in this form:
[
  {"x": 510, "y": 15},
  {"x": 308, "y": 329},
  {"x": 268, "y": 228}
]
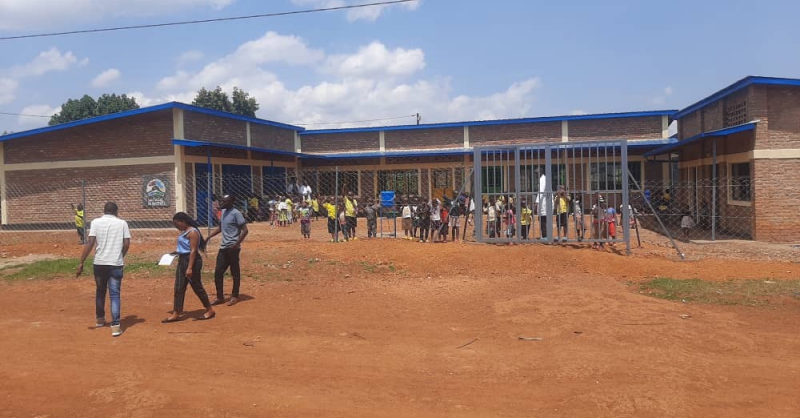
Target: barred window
[
  {"x": 740, "y": 182},
  {"x": 606, "y": 176},
  {"x": 736, "y": 114},
  {"x": 348, "y": 182},
  {"x": 492, "y": 180},
  {"x": 402, "y": 182}
]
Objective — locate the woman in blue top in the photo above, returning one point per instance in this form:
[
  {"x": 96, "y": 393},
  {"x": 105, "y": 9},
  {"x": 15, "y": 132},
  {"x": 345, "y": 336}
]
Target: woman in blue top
[{"x": 190, "y": 265}]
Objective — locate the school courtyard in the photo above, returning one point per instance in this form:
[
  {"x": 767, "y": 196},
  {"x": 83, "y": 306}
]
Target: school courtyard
[{"x": 394, "y": 328}]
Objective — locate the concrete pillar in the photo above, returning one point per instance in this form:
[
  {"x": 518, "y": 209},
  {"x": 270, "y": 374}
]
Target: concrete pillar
[
  {"x": 3, "y": 197},
  {"x": 564, "y": 131},
  {"x": 180, "y": 158}
]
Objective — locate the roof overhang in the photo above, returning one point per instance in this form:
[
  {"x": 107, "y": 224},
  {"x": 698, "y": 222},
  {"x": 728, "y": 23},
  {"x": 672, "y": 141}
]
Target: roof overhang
[
  {"x": 198, "y": 144},
  {"x": 700, "y": 137}
]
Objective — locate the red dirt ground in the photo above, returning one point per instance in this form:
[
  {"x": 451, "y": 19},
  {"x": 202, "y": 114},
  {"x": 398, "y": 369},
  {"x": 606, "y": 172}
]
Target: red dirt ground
[{"x": 381, "y": 328}]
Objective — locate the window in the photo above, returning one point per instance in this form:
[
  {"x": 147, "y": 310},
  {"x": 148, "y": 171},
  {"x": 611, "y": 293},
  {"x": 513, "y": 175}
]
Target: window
[
  {"x": 492, "y": 180},
  {"x": 529, "y": 180},
  {"x": 400, "y": 181},
  {"x": 740, "y": 182},
  {"x": 347, "y": 181},
  {"x": 735, "y": 114},
  {"x": 606, "y": 176},
  {"x": 635, "y": 168},
  {"x": 441, "y": 179}
]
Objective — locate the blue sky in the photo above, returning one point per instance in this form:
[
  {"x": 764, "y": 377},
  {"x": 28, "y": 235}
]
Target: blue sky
[{"x": 447, "y": 59}]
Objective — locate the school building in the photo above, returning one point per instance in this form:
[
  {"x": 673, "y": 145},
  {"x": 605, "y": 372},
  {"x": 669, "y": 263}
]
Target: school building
[{"x": 154, "y": 161}]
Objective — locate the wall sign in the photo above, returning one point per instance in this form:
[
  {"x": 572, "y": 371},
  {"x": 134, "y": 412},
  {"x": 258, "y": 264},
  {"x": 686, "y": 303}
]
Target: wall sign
[{"x": 155, "y": 192}]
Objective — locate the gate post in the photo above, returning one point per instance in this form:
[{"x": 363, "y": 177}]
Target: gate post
[
  {"x": 548, "y": 189},
  {"x": 517, "y": 196},
  {"x": 477, "y": 196},
  {"x": 626, "y": 209}
]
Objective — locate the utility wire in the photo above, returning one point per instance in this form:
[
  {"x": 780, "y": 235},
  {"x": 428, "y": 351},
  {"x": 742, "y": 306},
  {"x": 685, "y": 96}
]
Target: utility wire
[
  {"x": 23, "y": 114},
  {"x": 194, "y": 22},
  {"x": 353, "y": 121}
]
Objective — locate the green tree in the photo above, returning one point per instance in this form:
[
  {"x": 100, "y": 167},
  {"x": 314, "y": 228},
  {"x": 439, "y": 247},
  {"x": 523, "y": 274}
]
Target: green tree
[
  {"x": 88, "y": 107},
  {"x": 217, "y": 99}
]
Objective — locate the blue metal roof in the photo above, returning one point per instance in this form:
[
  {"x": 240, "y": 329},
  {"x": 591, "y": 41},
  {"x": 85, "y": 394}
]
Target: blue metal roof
[
  {"x": 733, "y": 88},
  {"x": 390, "y": 154},
  {"x": 494, "y": 122},
  {"x": 697, "y": 138},
  {"x": 150, "y": 109},
  {"x": 193, "y": 144}
]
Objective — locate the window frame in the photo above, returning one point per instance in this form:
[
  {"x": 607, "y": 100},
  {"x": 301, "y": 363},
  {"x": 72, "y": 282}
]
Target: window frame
[{"x": 730, "y": 183}]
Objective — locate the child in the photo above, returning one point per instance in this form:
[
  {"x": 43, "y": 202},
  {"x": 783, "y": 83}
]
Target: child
[
  {"x": 405, "y": 214},
  {"x": 611, "y": 223},
  {"x": 289, "y": 210},
  {"x": 444, "y": 229},
  {"x": 526, "y": 220},
  {"x": 305, "y": 219},
  {"x": 577, "y": 215},
  {"x": 80, "y": 223},
  {"x": 511, "y": 222},
  {"x": 599, "y": 227},
  {"x": 424, "y": 214},
  {"x": 491, "y": 218},
  {"x": 371, "y": 213},
  {"x": 455, "y": 219},
  {"x": 315, "y": 207},
  {"x": 561, "y": 203},
  {"x": 414, "y": 217},
  {"x": 687, "y": 223},
  {"x": 283, "y": 212},
  {"x": 330, "y": 211},
  {"x": 343, "y": 222},
  {"x": 436, "y": 220}
]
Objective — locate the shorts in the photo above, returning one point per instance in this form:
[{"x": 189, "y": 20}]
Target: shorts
[
  {"x": 455, "y": 221},
  {"x": 331, "y": 226},
  {"x": 352, "y": 222},
  {"x": 562, "y": 219},
  {"x": 407, "y": 224},
  {"x": 305, "y": 228}
]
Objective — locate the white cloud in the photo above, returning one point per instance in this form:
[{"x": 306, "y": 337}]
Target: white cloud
[
  {"x": 668, "y": 91},
  {"x": 46, "y": 61},
  {"x": 372, "y": 82},
  {"x": 28, "y": 122},
  {"x": 662, "y": 98},
  {"x": 7, "y": 89},
  {"x": 106, "y": 77},
  {"x": 370, "y": 14},
  {"x": 32, "y": 15},
  {"x": 375, "y": 58},
  {"x": 190, "y": 56}
]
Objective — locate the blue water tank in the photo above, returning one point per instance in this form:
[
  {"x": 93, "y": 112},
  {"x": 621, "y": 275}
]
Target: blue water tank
[{"x": 387, "y": 199}]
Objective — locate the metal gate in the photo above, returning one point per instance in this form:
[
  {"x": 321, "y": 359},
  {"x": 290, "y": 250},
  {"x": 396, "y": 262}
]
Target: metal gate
[{"x": 561, "y": 192}]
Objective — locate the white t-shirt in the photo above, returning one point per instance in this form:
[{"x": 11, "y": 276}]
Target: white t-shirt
[
  {"x": 541, "y": 198},
  {"x": 109, "y": 232},
  {"x": 406, "y": 212}
]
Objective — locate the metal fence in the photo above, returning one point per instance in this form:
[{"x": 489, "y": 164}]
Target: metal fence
[{"x": 551, "y": 193}]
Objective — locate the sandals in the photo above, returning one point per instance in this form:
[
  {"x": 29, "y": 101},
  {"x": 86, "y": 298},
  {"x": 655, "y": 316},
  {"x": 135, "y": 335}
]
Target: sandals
[
  {"x": 206, "y": 318},
  {"x": 171, "y": 320}
]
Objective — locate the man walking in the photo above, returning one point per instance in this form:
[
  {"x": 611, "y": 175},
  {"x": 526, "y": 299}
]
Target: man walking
[
  {"x": 233, "y": 228},
  {"x": 112, "y": 239}
]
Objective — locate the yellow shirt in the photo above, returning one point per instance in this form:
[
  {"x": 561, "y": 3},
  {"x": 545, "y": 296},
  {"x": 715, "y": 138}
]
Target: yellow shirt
[
  {"x": 562, "y": 203},
  {"x": 289, "y": 204},
  {"x": 526, "y": 216},
  {"x": 315, "y": 205},
  {"x": 79, "y": 219},
  {"x": 350, "y": 207},
  {"x": 254, "y": 203},
  {"x": 331, "y": 210}
]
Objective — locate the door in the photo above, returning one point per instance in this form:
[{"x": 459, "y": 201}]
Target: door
[{"x": 204, "y": 215}]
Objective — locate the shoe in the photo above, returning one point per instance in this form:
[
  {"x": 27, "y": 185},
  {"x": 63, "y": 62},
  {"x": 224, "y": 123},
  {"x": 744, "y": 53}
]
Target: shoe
[
  {"x": 100, "y": 323},
  {"x": 217, "y": 301},
  {"x": 233, "y": 301},
  {"x": 543, "y": 239},
  {"x": 564, "y": 239},
  {"x": 116, "y": 331}
]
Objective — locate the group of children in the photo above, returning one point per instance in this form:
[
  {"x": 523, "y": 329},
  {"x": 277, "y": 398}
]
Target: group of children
[{"x": 433, "y": 220}]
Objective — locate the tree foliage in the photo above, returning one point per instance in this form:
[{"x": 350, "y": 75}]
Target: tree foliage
[
  {"x": 239, "y": 102},
  {"x": 88, "y": 107}
]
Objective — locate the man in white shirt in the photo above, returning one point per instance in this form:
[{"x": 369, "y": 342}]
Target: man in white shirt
[
  {"x": 541, "y": 203},
  {"x": 112, "y": 239}
]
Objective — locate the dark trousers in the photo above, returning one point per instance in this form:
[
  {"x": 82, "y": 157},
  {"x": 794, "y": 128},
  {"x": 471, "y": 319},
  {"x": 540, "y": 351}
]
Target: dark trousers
[
  {"x": 524, "y": 229},
  {"x": 424, "y": 229},
  {"x": 543, "y": 225},
  {"x": 108, "y": 279},
  {"x": 227, "y": 257},
  {"x": 352, "y": 223},
  {"x": 181, "y": 282},
  {"x": 372, "y": 228},
  {"x": 81, "y": 233}
]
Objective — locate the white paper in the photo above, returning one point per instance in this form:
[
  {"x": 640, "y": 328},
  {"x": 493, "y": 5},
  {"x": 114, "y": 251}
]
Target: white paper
[{"x": 166, "y": 260}]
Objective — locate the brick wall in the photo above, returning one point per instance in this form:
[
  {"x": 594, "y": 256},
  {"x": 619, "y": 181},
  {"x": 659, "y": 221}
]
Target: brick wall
[
  {"x": 714, "y": 116},
  {"x": 616, "y": 128},
  {"x": 776, "y": 204},
  {"x": 783, "y": 118},
  {"x": 207, "y": 128},
  {"x": 341, "y": 142},
  {"x": 367, "y": 191},
  {"x": 520, "y": 133},
  {"x": 424, "y": 138},
  {"x": 146, "y": 135},
  {"x": 271, "y": 137},
  {"x": 690, "y": 125},
  {"x": 44, "y": 196}
]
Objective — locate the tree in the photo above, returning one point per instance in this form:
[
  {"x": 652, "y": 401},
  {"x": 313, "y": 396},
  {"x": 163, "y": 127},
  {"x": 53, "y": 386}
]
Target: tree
[
  {"x": 87, "y": 107},
  {"x": 217, "y": 99}
]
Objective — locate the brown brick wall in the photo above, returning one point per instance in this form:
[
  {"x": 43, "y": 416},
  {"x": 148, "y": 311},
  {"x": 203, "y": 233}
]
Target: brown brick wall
[
  {"x": 783, "y": 118},
  {"x": 207, "y": 128},
  {"x": 617, "y": 128},
  {"x": 714, "y": 116},
  {"x": 520, "y": 133},
  {"x": 271, "y": 137},
  {"x": 424, "y": 138},
  {"x": 340, "y": 142},
  {"x": 690, "y": 125},
  {"x": 776, "y": 204},
  {"x": 44, "y": 196},
  {"x": 146, "y": 135}
]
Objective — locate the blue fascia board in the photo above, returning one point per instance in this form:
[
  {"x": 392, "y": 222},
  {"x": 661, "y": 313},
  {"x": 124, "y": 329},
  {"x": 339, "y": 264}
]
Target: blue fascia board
[
  {"x": 194, "y": 144},
  {"x": 494, "y": 122},
  {"x": 212, "y": 112},
  {"x": 735, "y": 87},
  {"x": 87, "y": 121},
  {"x": 390, "y": 154},
  {"x": 713, "y": 134}
]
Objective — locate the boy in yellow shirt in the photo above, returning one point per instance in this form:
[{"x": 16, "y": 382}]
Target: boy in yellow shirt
[
  {"x": 330, "y": 208},
  {"x": 80, "y": 223},
  {"x": 525, "y": 220}
]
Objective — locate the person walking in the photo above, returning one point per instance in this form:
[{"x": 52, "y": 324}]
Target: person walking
[
  {"x": 233, "y": 228},
  {"x": 190, "y": 267},
  {"x": 110, "y": 237}
]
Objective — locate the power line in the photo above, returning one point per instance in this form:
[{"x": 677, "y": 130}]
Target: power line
[
  {"x": 353, "y": 121},
  {"x": 23, "y": 114},
  {"x": 194, "y": 22}
]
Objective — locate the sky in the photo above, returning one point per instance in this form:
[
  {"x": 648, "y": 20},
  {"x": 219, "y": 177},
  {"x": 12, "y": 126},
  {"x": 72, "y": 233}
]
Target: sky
[{"x": 449, "y": 60}]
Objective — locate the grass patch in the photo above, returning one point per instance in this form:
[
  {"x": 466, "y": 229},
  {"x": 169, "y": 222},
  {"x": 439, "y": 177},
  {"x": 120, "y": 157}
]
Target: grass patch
[
  {"x": 65, "y": 267},
  {"x": 730, "y": 292}
]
